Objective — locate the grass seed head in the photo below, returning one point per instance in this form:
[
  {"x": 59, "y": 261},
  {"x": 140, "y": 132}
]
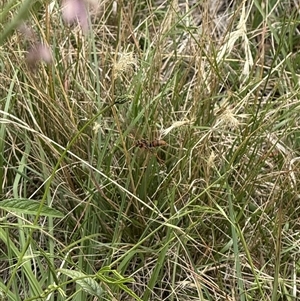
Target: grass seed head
[
  {"x": 75, "y": 10},
  {"x": 37, "y": 53},
  {"x": 126, "y": 63}
]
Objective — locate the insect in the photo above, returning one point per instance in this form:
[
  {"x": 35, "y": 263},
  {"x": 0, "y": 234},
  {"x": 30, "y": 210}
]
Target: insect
[
  {"x": 150, "y": 145},
  {"x": 143, "y": 143}
]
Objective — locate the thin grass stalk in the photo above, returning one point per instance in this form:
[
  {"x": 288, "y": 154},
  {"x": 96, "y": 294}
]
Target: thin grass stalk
[
  {"x": 278, "y": 247},
  {"x": 7, "y": 107},
  {"x": 235, "y": 241}
]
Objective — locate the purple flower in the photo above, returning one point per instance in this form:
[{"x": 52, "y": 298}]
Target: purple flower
[
  {"x": 38, "y": 52},
  {"x": 75, "y": 11}
]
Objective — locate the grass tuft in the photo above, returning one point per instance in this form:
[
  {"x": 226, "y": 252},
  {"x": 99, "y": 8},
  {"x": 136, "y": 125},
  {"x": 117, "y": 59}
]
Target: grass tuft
[{"x": 149, "y": 152}]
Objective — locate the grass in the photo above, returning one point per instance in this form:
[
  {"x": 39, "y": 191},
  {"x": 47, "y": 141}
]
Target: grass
[{"x": 210, "y": 215}]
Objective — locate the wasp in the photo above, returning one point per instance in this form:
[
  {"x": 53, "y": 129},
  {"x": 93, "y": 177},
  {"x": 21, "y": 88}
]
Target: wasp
[
  {"x": 150, "y": 145},
  {"x": 143, "y": 143}
]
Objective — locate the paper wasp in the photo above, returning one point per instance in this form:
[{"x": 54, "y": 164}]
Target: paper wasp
[
  {"x": 150, "y": 145},
  {"x": 143, "y": 143}
]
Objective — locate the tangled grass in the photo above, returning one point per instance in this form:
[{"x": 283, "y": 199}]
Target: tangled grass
[{"x": 92, "y": 209}]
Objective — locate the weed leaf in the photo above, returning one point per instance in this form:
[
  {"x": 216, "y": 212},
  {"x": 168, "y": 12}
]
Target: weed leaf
[
  {"x": 87, "y": 283},
  {"x": 27, "y": 206}
]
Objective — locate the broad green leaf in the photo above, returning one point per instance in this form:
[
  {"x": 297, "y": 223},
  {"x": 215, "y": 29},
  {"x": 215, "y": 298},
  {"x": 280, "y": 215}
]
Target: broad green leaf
[
  {"x": 87, "y": 283},
  {"x": 28, "y": 206}
]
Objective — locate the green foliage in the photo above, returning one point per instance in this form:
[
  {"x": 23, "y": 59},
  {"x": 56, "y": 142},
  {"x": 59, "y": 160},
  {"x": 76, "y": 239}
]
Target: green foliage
[
  {"x": 21, "y": 11},
  {"x": 154, "y": 157},
  {"x": 27, "y": 206}
]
